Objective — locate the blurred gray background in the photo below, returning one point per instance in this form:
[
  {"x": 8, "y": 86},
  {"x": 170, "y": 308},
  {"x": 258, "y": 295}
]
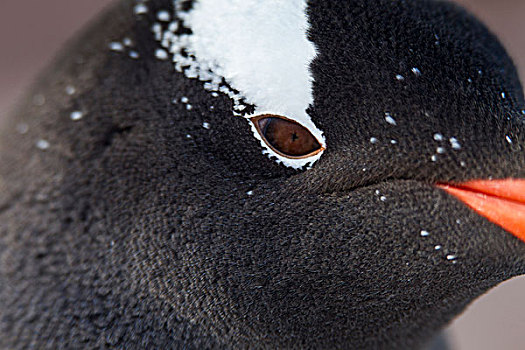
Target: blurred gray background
[{"x": 31, "y": 31}]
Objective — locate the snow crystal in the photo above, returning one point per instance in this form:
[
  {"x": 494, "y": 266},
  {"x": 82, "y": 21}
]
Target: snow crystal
[
  {"x": 140, "y": 9},
  {"x": 76, "y": 115},
  {"x": 455, "y": 143},
  {"x": 70, "y": 90},
  {"x": 161, "y": 54},
  {"x": 42, "y": 145},
  {"x": 116, "y": 46},
  {"x": 390, "y": 120},
  {"x": 416, "y": 72},
  {"x": 22, "y": 128},
  {"x": 163, "y": 16}
]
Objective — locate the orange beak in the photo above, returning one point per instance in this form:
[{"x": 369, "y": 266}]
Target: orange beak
[{"x": 500, "y": 201}]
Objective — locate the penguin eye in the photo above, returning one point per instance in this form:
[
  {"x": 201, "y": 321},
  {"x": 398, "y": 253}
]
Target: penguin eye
[{"x": 286, "y": 137}]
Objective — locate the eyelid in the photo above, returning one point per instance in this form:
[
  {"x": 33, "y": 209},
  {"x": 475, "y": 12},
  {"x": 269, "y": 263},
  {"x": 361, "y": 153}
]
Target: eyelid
[{"x": 261, "y": 124}]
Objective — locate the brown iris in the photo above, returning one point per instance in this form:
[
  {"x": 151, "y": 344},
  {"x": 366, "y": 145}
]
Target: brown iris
[{"x": 286, "y": 137}]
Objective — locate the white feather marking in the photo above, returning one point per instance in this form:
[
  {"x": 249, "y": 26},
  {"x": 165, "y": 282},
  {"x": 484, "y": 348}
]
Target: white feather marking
[{"x": 261, "y": 49}]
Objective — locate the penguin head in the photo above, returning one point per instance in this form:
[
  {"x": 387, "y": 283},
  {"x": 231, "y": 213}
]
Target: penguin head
[{"x": 270, "y": 173}]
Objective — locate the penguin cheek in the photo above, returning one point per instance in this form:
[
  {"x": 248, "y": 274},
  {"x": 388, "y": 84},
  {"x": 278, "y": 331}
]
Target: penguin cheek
[{"x": 286, "y": 137}]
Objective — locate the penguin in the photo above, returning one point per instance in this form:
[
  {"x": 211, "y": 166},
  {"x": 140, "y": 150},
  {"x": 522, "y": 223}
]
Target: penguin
[{"x": 247, "y": 174}]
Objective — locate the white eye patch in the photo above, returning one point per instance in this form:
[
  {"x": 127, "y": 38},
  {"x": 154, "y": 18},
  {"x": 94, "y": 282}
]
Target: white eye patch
[{"x": 261, "y": 50}]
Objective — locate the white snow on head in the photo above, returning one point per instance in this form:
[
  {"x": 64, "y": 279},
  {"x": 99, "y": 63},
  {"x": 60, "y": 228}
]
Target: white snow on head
[{"x": 260, "y": 48}]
